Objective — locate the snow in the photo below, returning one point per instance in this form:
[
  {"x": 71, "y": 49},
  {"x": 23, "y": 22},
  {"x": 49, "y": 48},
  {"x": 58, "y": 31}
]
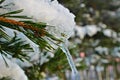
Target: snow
[
  {"x": 59, "y": 18},
  {"x": 45, "y": 58},
  {"x": 82, "y": 5},
  {"x": 50, "y": 12},
  {"x": 80, "y": 32},
  {"x": 102, "y": 50},
  {"x": 89, "y": 30},
  {"x": 116, "y": 52},
  {"x": 12, "y": 70},
  {"x": 110, "y": 33},
  {"x": 102, "y": 25}
]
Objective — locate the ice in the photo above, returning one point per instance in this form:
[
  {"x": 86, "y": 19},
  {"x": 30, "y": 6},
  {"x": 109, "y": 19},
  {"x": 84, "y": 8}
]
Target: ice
[{"x": 70, "y": 61}]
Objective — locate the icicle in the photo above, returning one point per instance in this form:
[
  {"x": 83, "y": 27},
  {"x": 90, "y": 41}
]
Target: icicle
[{"x": 70, "y": 61}]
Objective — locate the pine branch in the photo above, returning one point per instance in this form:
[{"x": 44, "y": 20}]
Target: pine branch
[
  {"x": 36, "y": 30},
  {"x": 3, "y": 34},
  {"x": 15, "y": 48}
]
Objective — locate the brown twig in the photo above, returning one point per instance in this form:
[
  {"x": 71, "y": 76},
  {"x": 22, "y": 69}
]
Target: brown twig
[{"x": 37, "y": 31}]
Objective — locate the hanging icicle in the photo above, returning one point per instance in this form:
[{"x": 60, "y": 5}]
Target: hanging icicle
[{"x": 70, "y": 61}]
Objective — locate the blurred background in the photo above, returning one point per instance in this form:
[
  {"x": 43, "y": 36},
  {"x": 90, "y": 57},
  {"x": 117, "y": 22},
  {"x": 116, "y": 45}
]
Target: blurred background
[
  {"x": 95, "y": 44},
  {"x": 96, "y": 39}
]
